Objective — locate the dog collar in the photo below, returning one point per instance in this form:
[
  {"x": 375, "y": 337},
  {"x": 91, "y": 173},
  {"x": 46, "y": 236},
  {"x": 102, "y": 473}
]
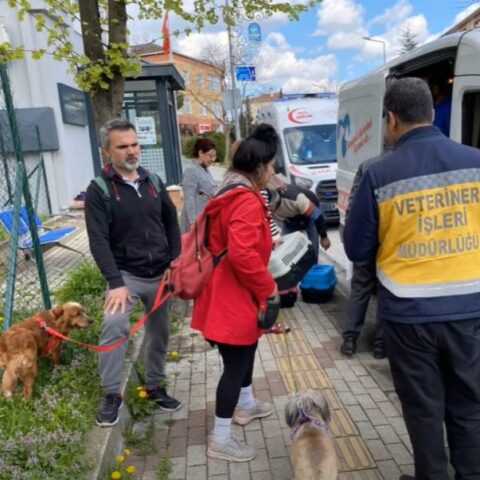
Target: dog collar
[{"x": 304, "y": 418}]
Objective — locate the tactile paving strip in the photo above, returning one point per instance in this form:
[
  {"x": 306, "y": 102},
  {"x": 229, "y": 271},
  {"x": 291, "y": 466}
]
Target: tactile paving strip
[{"x": 300, "y": 369}]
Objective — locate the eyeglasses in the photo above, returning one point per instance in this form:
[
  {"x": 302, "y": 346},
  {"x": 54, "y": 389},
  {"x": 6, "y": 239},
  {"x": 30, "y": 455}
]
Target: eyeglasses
[{"x": 212, "y": 155}]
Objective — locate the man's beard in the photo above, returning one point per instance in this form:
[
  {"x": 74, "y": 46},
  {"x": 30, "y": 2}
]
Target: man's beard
[{"x": 129, "y": 165}]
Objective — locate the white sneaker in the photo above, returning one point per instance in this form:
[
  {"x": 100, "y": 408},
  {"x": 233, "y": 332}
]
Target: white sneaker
[
  {"x": 233, "y": 451},
  {"x": 260, "y": 410}
]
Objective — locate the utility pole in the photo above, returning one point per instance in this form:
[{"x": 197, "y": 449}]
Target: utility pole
[
  {"x": 370, "y": 39},
  {"x": 234, "y": 83}
]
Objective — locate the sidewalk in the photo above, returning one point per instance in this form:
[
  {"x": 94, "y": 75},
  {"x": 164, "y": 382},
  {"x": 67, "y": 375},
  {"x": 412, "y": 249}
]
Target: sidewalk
[{"x": 368, "y": 428}]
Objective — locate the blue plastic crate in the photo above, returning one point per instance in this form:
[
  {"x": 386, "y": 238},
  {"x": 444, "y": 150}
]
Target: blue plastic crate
[{"x": 318, "y": 284}]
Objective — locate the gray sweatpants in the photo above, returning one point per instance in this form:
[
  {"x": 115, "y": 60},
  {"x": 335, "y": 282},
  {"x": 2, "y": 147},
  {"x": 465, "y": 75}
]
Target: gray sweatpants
[{"x": 156, "y": 336}]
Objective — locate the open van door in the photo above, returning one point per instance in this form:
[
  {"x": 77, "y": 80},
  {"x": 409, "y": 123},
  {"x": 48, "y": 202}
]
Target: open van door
[
  {"x": 465, "y": 117},
  {"x": 359, "y": 130}
]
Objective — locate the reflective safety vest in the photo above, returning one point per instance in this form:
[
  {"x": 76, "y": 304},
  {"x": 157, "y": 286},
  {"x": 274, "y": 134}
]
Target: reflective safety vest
[{"x": 429, "y": 234}]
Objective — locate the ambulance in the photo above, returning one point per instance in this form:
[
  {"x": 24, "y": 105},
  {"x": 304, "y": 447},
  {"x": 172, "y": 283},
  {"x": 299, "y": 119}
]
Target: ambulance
[
  {"x": 306, "y": 124},
  {"x": 450, "y": 64}
]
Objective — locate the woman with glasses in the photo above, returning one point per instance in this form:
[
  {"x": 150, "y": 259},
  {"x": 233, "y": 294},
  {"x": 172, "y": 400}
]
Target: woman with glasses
[{"x": 198, "y": 183}]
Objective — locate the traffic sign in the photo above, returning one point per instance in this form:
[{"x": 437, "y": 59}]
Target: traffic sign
[
  {"x": 245, "y": 73},
  {"x": 254, "y": 32}
]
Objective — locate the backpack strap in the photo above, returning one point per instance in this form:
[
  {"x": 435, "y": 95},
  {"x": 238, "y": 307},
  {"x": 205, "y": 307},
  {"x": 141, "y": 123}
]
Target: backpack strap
[
  {"x": 155, "y": 181},
  {"x": 107, "y": 198},
  {"x": 102, "y": 185}
]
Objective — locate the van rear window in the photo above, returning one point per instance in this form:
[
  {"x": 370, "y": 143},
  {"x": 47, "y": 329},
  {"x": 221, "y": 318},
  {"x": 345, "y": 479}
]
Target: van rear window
[{"x": 311, "y": 144}]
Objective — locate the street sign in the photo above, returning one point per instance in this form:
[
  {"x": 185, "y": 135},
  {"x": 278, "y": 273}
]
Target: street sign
[
  {"x": 254, "y": 32},
  {"x": 245, "y": 73},
  {"x": 228, "y": 99}
]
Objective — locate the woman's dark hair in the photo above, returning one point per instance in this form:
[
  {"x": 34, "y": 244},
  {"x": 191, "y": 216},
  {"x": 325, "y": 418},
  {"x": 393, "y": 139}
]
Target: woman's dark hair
[
  {"x": 204, "y": 144},
  {"x": 257, "y": 149}
]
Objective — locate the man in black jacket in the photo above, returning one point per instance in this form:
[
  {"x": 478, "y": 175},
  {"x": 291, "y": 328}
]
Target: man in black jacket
[{"x": 134, "y": 235}]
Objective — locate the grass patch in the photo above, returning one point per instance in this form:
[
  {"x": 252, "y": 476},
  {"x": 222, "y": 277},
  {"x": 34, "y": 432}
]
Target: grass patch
[
  {"x": 45, "y": 437},
  {"x": 164, "y": 468},
  {"x": 142, "y": 442}
]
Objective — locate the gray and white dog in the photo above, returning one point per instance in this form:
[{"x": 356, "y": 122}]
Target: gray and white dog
[{"x": 313, "y": 454}]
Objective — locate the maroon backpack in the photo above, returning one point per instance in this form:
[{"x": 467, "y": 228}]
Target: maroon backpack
[{"x": 190, "y": 271}]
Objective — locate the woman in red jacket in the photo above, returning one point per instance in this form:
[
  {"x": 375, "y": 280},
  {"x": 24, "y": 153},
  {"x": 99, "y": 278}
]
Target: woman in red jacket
[{"x": 226, "y": 310}]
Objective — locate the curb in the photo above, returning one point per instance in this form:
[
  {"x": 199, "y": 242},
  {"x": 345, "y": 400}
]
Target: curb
[{"x": 105, "y": 443}]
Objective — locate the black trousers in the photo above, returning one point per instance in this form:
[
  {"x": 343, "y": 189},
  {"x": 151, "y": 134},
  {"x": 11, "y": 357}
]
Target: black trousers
[
  {"x": 237, "y": 373},
  {"x": 436, "y": 372},
  {"x": 362, "y": 286}
]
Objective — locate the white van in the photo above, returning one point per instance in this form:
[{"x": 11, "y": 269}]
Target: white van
[
  {"x": 306, "y": 124},
  {"x": 452, "y": 61}
]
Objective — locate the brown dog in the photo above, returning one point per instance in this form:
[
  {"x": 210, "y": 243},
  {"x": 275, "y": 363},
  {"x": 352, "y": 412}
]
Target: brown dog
[
  {"x": 313, "y": 453},
  {"x": 22, "y": 343}
]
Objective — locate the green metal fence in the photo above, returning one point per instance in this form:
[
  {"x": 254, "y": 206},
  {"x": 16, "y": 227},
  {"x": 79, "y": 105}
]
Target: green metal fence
[{"x": 23, "y": 195}]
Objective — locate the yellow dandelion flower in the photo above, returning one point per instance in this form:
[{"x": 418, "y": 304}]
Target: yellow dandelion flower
[
  {"x": 120, "y": 458},
  {"x": 116, "y": 475},
  {"x": 174, "y": 354},
  {"x": 127, "y": 452},
  {"x": 142, "y": 393},
  {"x": 130, "y": 468}
]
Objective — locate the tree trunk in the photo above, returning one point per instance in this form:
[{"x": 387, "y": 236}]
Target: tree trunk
[{"x": 106, "y": 103}]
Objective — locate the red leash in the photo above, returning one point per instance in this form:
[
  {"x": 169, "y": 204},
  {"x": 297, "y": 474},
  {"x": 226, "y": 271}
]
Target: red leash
[{"x": 160, "y": 298}]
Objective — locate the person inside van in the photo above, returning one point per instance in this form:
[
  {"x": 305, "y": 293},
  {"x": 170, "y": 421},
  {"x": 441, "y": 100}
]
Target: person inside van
[{"x": 442, "y": 100}]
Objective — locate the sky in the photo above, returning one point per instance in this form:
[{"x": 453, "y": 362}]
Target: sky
[{"x": 325, "y": 47}]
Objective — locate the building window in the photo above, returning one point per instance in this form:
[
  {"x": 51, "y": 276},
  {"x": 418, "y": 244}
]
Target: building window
[
  {"x": 203, "y": 110},
  {"x": 213, "y": 83},
  {"x": 185, "y": 75},
  {"x": 199, "y": 80},
  {"x": 187, "y": 106},
  {"x": 216, "y": 109}
]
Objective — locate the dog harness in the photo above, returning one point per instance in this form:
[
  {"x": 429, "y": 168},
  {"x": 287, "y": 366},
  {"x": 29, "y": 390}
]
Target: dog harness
[
  {"x": 52, "y": 340},
  {"x": 304, "y": 418}
]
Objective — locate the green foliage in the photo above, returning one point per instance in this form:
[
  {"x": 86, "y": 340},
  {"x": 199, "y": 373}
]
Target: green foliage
[
  {"x": 112, "y": 59},
  {"x": 85, "y": 285},
  {"x": 142, "y": 441},
  {"x": 45, "y": 437},
  {"x": 138, "y": 404},
  {"x": 121, "y": 468},
  {"x": 3, "y": 235},
  {"x": 217, "y": 137},
  {"x": 164, "y": 468},
  {"x": 408, "y": 40}
]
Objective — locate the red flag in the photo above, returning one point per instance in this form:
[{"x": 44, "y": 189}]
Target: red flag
[{"x": 166, "y": 34}]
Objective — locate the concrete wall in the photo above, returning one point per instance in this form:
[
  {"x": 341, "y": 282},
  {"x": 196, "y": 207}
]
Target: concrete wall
[{"x": 34, "y": 84}]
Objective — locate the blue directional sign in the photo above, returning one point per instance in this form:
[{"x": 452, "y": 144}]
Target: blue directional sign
[
  {"x": 254, "y": 32},
  {"x": 245, "y": 73}
]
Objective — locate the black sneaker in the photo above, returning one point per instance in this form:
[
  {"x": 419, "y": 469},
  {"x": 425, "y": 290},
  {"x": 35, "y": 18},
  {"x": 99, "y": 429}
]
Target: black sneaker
[
  {"x": 379, "y": 352},
  {"x": 163, "y": 400},
  {"x": 107, "y": 414},
  {"x": 349, "y": 346},
  {"x": 406, "y": 477}
]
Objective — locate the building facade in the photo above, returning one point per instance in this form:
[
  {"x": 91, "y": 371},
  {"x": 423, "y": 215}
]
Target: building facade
[
  {"x": 201, "y": 107},
  {"x": 468, "y": 23},
  {"x": 46, "y": 97}
]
